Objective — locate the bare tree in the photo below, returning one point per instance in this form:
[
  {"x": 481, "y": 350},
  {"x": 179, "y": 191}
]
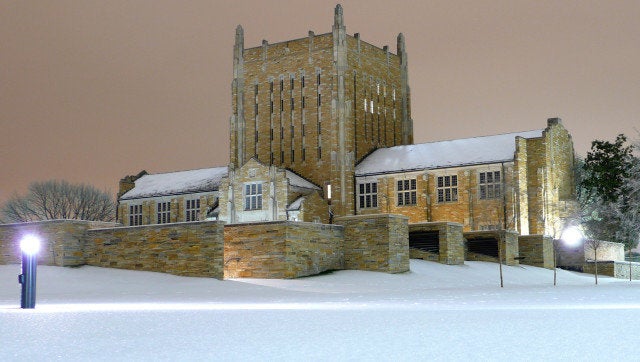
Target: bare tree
[
  {"x": 595, "y": 244},
  {"x": 51, "y": 200}
]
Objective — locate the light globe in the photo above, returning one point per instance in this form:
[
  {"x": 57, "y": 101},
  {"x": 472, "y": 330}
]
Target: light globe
[
  {"x": 572, "y": 236},
  {"x": 30, "y": 244}
]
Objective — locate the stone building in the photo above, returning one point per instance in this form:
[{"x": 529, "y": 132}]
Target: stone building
[{"x": 321, "y": 128}]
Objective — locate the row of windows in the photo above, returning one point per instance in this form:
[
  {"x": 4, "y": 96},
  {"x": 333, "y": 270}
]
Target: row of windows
[
  {"x": 446, "y": 189},
  {"x": 163, "y": 212}
]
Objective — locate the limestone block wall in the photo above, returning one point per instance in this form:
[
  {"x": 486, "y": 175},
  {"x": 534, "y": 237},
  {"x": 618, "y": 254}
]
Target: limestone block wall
[
  {"x": 575, "y": 257},
  {"x": 376, "y": 242},
  {"x": 607, "y": 250},
  {"x": 281, "y": 249},
  {"x": 62, "y": 241},
  {"x": 451, "y": 241},
  {"x": 190, "y": 249},
  {"x": 616, "y": 269},
  {"x": 536, "y": 250}
]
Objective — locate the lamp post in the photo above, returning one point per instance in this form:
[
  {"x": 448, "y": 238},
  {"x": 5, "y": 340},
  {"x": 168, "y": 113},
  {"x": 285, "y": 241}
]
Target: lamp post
[
  {"x": 571, "y": 236},
  {"x": 29, "y": 245}
]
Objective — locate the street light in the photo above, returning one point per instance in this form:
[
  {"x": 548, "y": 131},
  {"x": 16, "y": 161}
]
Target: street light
[
  {"x": 572, "y": 237},
  {"x": 30, "y": 245}
]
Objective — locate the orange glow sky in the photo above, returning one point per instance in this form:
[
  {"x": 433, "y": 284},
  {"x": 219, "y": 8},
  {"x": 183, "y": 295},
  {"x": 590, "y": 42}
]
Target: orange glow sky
[{"x": 91, "y": 91}]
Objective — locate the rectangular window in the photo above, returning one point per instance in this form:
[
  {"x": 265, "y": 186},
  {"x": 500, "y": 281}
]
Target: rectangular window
[
  {"x": 192, "y": 210},
  {"x": 292, "y": 102},
  {"x": 490, "y": 187},
  {"x": 164, "y": 212},
  {"x": 281, "y": 105},
  {"x": 135, "y": 215},
  {"x": 319, "y": 153},
  {"x": 447, "y": 188},
  {"x": 271, "y": 86},
  {"x": 293, "y": 156},
  {"x": 304, "y": 154},
  {"x": 407, "y": 192},
  {"x": 318, "y": 80},
  {"x": 368, "y": 195},
  {"x": 271, "y": 106},
  {"x": 303, "y": 102},
  {"x": 281, "y": 84},
  {"x": 302, "y": 81},
  {"x": 291, "y": 82},
  {"x": 319, "y": 99},
  {"x": 253, "y": 196}
]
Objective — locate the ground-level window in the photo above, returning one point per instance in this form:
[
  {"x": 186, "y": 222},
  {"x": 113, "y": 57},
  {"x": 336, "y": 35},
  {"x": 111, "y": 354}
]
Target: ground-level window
[
  {"x": 135, "y": 215},
  {"x": 368, "y": 195},
  {"x": 192, "y": 210},
  {"x": 447, "y": 188},
  {"x": 253, "y": 196},
  {"x": 490, "y": 185},
  {"x": 164, "y": 212},
  {"x": 406, "y": 192}
]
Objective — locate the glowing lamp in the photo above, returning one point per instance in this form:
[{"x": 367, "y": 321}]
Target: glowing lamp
[
  {"x": 30, "y": 244},
  {"x": 572, "y": 236}
]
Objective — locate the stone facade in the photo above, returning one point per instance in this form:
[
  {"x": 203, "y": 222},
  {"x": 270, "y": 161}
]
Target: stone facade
[
  {"x": 574, "y": 257},
  {"x": 279, "y": 189},
  {"x": 317, "y": 105},
  {"x": 62, "y": 241},
  {"x": 376, "y": 243},
  {"x": 177, "y": 211},
  {"x": 536, "y": 250},
  {"x": 616, "y": 269},
  {"x": 536, "y": 189},
  {"x": 451, "y": 242},
  {"x": 282, "y": 249},
  {"x": 189, "y": 249}
]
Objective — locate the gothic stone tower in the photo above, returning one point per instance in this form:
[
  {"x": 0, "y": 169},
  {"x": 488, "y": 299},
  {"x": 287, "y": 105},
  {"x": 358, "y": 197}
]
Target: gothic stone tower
[{"x": 318, "y": 105}]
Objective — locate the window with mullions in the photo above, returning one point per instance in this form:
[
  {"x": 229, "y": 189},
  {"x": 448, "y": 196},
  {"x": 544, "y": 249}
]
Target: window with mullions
[
  {"x": 253, "y": 196},
  {"x": 135, "y": 215},
  {"x": 164, "y": 212},
  {"x": 192, "y": 210},
  {"x": 490, "y": 187},
  {"x": 407, "y": 192},
  {"x": 447, "y": 188},
  {"x": 368, "y": 195}
]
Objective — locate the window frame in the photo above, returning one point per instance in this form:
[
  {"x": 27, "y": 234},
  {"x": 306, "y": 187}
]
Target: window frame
[
  {"x": 135, "y": 214},
  {"x": 489, "y": 185},
  {"x": 192, "y": 210},
  {"x": 252, "y": 194},
  {"x": 368, "y": 195},
  {"x": 406, "y": 192},
  {"x": 447, "y": 188},
  {"x": 163, "y": 212}
]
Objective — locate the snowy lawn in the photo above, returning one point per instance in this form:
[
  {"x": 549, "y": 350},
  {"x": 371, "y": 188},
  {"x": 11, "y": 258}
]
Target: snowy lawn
[{"x": 434, "y": 312}]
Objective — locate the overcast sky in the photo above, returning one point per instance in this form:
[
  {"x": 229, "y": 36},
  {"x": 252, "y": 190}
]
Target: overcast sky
[{"x": 91, "y": 91}]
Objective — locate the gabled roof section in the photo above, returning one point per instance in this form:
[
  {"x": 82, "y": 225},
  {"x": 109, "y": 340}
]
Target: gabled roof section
[
  {"x": 443, "y": 154},
  {"x": 298, "y": 181},
  {"x": 177, "y": 183},
  {"x": 296, "y": 205}
]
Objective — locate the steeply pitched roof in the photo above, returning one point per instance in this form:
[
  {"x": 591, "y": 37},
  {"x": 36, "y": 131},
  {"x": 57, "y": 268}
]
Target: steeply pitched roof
[
  {"x": 297, "y": 181},
  {"x": 443, "y": 154},
  {"x": 176, "y": 183}
]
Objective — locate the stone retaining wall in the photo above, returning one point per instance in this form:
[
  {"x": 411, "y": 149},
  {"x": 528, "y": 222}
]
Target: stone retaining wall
[
  {"x": 190, "y": 249},
  {"x": 507, "y": 242},
  {"x": 536, "y": 250},
  {"x": 282, "y": 249},
  {"x": 616, "y": 269},
  {"x": 376, "y": 242},
  {"x": 62, "y": 241},
  {"x": 451, "y": 242}
]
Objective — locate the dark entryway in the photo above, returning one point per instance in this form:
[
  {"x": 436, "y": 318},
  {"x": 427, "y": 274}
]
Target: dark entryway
[
  {"x": 428, "y": 241},
  {"x": 484, "y": 246}
]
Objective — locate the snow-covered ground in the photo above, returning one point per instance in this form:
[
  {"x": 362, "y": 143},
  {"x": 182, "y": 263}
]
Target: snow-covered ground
[{"x": 434, "y": 312}]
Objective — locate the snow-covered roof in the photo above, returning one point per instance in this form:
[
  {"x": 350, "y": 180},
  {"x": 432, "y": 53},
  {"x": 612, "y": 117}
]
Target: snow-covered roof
[
  {"x": 443, "y": 154},
  {"x": 294, "y": 206},
  {"x": 297, "y": 181},
  {"x": 176, "y": 183}
]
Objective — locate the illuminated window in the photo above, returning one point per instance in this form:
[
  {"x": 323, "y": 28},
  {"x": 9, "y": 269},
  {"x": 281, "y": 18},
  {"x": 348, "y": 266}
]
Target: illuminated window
[
  {"x": 489, "y": 183},
  {"x": 192, "y": 210},
  {"x": 253, "y": 196},
  {"x": 406, "y": 192},
  {"x": 164, "y": 212},
  {"x": 135, "y": 215},
  {"x": 447, "y": 188}
]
